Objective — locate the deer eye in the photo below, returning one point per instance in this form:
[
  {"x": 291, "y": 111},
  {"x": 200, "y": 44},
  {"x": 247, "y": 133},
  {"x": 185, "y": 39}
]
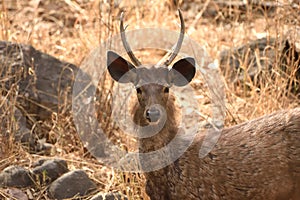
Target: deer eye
[
  {"x": 166, "y": 90},
  {"x": 138, "y": 90}
]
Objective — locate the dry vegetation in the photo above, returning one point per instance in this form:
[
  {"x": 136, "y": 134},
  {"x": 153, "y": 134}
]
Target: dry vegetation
[{"x": 70, "y": 29}]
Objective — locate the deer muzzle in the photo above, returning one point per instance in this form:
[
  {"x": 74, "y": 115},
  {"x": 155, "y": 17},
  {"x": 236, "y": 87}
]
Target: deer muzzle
[{"x": 153, "y": 114}]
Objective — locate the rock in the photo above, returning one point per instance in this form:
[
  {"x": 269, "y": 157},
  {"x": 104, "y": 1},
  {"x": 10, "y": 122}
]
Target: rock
[
  {"x": 13, "y": 124},
  {"x": 37, "y": 75},
  {"x": 43, "y": 80},
  {"x": 43, "y": 84},
  {"x": 20, "y": 133},
  {"x": 46, "y": 171},
  {"x": 43, "y": 147},
  {"x": 16, "y": 176},
  {"x": 258, "y": 58},
  {"x": 70, "y": 184},
  {"x": 109, "y": 196},
  {"x": 16, "y": 194},
  {"x": 222, "y": 11}
]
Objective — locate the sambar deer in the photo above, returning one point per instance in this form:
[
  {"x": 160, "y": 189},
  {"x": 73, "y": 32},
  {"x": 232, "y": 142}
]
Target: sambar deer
[{"x": 258, "y": 159}]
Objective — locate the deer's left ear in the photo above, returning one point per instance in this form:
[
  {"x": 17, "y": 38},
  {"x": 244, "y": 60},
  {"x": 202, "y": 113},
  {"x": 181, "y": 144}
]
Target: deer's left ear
[
  {"x": 183, "y": 71},
  {"x": 120, "y": 69}
]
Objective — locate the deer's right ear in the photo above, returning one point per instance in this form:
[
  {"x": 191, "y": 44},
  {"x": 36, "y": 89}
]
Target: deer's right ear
[
  {"x": 183, "y": 71},
  {"x": 120, "y": 69}
]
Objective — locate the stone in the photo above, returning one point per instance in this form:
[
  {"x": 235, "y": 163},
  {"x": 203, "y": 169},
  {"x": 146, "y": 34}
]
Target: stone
[
  {"x": 16, "y": 176},
  {"x": 46, "y": 171},
  {"x": 16, "y": 193},
  {"x": 109, "y": 196},
  {"x": 74, "y": 183}
]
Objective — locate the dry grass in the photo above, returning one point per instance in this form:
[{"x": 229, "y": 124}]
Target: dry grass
[{"x": 69, "y": 29}]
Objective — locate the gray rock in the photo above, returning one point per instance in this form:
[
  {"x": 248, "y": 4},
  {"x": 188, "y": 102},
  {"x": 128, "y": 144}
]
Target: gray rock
[
  {"x": 16, "y": 176},
  {"x": 47, "y": 171},
  {"x": 44, "y": 85},
  {"x": 259, "y": 57},
  {"x": 43, "y": 80},
  {"x": 43, "y": 147},
  {"x": 21, "y": 133},
  {"x": 16, "y": 58},
  {"x": 16, "y": 193},
  {"x": 70, "y": 184},
  {"x": 109, "y": 196}
]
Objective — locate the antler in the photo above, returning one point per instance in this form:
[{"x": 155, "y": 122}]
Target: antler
[
  {"x": 179, "y": 43},
  {"x": 135, "y": 61}
]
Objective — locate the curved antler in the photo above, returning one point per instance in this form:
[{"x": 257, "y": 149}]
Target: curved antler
[
  {"x": 179, "y": 43},
  {"x": 135, "y": 61}
]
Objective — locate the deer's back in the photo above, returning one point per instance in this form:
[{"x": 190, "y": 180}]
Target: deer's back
[{"x": 259, "y": 159}]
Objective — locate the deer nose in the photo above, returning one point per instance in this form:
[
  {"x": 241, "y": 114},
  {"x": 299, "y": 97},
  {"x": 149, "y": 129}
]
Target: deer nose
[{"x": 153, "y": 114}]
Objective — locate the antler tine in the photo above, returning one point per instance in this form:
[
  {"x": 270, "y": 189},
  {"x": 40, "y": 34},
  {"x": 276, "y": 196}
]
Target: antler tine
[
  {"x": 179, "y": 43},
  {"x": 135, "y": 61}
]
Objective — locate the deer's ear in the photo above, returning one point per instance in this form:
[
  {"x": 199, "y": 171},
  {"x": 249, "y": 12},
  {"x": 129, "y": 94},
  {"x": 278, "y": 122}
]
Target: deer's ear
[
  {"x": 120, "y": 69},
  {"x": 183, "y": 71}
]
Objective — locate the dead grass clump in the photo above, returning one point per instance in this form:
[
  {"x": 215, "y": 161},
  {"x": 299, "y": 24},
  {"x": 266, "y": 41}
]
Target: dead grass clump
[{"x": 9, "y": 127}]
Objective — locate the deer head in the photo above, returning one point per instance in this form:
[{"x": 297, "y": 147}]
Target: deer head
[{"x": 152, "y": 83}]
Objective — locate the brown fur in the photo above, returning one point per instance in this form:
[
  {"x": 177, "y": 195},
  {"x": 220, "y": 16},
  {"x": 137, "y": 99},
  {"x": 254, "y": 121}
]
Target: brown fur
[{"x": 259, "y": 159}]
